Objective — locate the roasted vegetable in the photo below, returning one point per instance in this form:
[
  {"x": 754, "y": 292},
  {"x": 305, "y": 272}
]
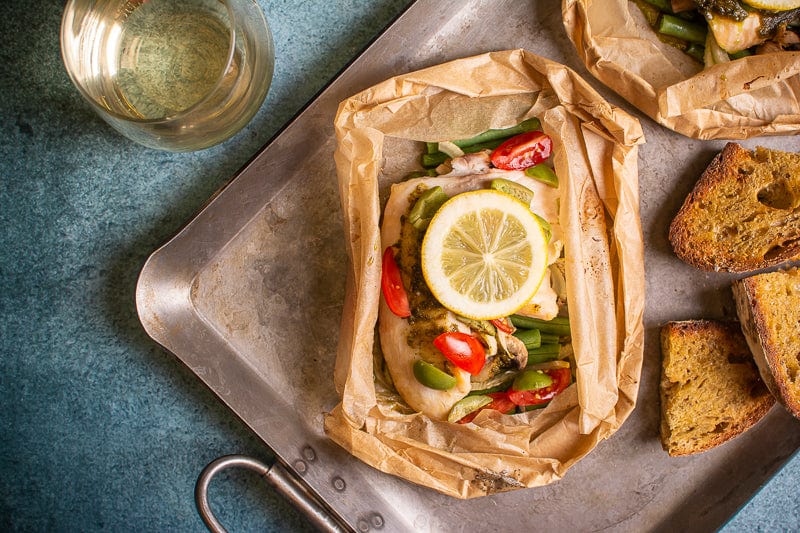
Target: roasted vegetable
[{"x": 719, "y": 31}]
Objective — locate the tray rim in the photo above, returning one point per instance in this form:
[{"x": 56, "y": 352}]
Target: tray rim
[{"x": 215, "y": 197}]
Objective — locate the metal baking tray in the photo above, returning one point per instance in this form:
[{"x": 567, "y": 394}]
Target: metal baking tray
[{"x": 249, "y": 296}]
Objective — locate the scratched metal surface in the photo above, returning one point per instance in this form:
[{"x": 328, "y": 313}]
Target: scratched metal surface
[{"x": 249, "y": 295}]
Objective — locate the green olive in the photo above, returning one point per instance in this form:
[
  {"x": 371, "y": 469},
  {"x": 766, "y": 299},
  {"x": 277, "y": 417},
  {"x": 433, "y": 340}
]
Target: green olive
[
  {"x": 432, "y": 377},
  {"x": 546, "y": 228},
  {"x": 542, "y": 173},
  {"x": 520, "y": 192},
  {"x": 465, "y": 406},
  {"x": 532, "y": 380}
]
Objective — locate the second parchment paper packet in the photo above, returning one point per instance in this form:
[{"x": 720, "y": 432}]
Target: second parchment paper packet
[{"x": 752, "y": 96}]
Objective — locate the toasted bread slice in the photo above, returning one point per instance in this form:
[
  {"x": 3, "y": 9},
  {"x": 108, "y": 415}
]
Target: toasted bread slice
[
  {"x": 710, "y": 387},
  {"x": 769, "y": 310},
  {"x": 743, "y": 214}
]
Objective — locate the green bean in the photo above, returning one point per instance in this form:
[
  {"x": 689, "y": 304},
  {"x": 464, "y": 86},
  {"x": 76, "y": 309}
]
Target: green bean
[
  {"x": 548, "y": 338},
  {"x": 422, "y": 173},
  {"x": 696, "y": 51},
  {"x": 557, "y": 326},
  {"x": 532, "y": 338},
  {"x": 682, "y": 29},
  {"x": 544, "y": 349},
  {"x": 504, "y": 133},
  {"x": 544, "y": 353},
  {"x": 536, "y": 359}
]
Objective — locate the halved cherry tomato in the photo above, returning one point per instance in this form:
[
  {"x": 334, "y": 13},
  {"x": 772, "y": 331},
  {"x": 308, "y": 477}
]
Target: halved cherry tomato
[
  {"x": 500, "y": 402},
  {"x": 462, "y": 349},
  {"x": 503, "y": 324},
  {"x": 561, "y": 380},
  {"x": 392, "y": 285},
  {"x": 522, "y": 151}
]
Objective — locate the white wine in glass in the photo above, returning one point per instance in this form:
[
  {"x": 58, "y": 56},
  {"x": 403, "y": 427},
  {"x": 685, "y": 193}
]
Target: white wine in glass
[{"x": 170, "y": 74}]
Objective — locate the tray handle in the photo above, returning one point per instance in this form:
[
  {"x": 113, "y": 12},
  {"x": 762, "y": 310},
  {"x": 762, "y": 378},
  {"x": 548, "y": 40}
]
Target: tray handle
[{"x": 278, "y": 477}]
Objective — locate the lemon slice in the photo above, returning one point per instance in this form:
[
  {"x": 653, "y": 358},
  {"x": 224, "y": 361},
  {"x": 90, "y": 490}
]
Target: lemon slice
[
  {"x": 484, "y": 254},
  {"x": 773, "y": 5}
]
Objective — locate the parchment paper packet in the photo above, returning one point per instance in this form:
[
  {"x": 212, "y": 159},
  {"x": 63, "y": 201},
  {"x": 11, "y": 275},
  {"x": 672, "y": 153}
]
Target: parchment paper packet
[
  {"x": 755, "y": 95},
  {"x": 595, "y": 157}
]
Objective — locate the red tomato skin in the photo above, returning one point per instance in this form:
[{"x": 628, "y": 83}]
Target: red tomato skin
[
  {"x": 462, "y": 349},
  {"x": 522, "y": 151},
  {"x": 561, "y": 380},
  {"x": 507, "y": 402},
  {"x": 500, "y": 402},
  {"x": 503, "y": 324},
  {"x": 392, "y": 285},
  {"x": 468, "y": 418}
]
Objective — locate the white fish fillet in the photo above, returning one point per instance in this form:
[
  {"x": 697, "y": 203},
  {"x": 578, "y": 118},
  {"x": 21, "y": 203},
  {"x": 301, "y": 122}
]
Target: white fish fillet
[{"x": 394, "y": 331}]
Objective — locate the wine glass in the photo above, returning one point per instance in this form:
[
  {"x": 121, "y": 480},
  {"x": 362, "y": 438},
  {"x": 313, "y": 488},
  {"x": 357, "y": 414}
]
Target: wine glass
[{"x": 175, "y": 75}]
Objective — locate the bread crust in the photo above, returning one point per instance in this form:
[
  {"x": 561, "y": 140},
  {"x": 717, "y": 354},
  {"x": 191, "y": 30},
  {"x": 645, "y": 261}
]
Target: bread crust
[
  {"x": 753, "y": 309},
  {"x": 724, "y": 341},
  {"x": 733, "y": 220}
]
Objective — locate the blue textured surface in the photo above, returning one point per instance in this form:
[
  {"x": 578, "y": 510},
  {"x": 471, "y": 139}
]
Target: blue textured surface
[{"x": 101, "y": 429}]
